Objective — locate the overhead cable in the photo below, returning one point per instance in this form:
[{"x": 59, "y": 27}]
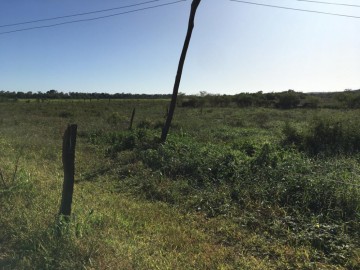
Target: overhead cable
[
  {"x": 78, "y": 14},
  {"x": 90, "y": 19},
  {"x": 297, "y": 9},
  {"x": 329, "y": 3}
]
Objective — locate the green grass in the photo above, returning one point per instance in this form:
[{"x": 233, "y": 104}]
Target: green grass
[{"x": 231, "y": 189}]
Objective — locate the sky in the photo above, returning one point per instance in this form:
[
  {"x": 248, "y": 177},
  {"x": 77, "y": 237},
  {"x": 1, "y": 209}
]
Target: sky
[{"x": 235, "y": 47}]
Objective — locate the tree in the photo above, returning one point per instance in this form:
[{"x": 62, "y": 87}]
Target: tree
[
  {"x": 288, "y": 100},
  {"x": 243, "y": 100},
  {"x": 166, "y": 127}
]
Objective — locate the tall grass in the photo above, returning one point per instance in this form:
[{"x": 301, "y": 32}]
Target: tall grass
[
  {"x": 220, "y": 181},
  {"x": 326, "y": 136},
  {"x": 228, "y": 190}
]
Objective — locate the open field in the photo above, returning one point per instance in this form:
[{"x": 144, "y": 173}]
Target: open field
[{"x": 232, "y": 188}]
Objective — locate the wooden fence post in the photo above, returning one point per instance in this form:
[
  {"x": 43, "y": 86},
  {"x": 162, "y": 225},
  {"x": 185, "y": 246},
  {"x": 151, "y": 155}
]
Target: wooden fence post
[
  {"x": 68, "y": 159},
  {"x": 165, "y": 130},
  {"x": 132, "y": 119}
]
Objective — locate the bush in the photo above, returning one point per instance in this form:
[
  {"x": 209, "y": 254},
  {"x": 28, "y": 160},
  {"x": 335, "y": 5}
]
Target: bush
[
  {"x": 288, "y": 100},
  {"x": 139, "y": 139},
  {"x": 349, "y": 99},
  {"x": 244, "y": 100},
  {"x": 271, "y": 177},
  {"x": 116, "y": 119},
  {"x": 193, "y": 102},
  {"x": 325, "y": 136},
  {"x": 311, "y": 102},
  {"x": 147, "y": 123},
  {"x": 261, "y": 186}
]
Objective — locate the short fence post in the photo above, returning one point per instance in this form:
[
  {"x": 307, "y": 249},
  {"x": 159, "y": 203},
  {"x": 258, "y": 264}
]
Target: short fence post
[
  {"x": 68, "y": 159},
  {"x": 132, "y": 119}
]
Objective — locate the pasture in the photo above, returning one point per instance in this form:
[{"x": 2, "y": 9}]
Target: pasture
[{"x": 232, "y": 188}]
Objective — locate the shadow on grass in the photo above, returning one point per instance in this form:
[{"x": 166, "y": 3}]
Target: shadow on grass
[{"x": 52, "y": 247}]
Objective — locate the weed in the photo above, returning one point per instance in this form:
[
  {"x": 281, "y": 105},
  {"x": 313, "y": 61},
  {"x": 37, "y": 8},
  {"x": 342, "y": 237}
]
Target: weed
[
  {"x": 223, "y": 192},
  {"x": 325, "y": 136},
  {"x": 115, "y": 119}
]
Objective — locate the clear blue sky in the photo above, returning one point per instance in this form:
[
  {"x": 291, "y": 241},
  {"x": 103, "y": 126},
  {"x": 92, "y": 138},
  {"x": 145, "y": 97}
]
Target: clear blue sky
[{"x": 234, "y": 48}]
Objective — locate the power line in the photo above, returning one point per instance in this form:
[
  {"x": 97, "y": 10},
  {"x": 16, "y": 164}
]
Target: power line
[
  {"x": 78, "y": 14},
  {"x": 329, "y": 3},
  {"x": 296, "y": 9},
  {"x": 90, "y": 19}
]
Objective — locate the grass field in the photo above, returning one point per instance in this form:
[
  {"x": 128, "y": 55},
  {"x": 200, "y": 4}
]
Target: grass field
[{"x": 232, "y": 188}]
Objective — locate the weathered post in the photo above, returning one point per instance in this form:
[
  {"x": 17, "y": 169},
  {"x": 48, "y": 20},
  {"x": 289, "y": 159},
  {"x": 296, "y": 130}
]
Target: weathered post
[
  {"x": 132, "y": 119},
  {"x": 68, "y": 159},
  {"x": 166, "y": 127}
]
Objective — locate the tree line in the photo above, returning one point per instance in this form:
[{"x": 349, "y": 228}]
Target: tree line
[
  {"x": 283, "y": 100},
  {"x": 54, "y": 94}
]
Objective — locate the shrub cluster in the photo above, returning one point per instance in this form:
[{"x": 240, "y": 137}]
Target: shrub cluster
[
  {"x": 247, "y": 180},
  {"x": 349, "y": 99},
  {"x": 268, "y": 175},
  {"x": 284, "y": 100},
  {"x": 326, "y": 137}
]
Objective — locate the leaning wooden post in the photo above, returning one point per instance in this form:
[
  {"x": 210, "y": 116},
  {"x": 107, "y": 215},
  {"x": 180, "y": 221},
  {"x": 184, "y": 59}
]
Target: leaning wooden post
[
  {"x": 166, "y": 127},
  {"x": 68, "y": 159},
  {"x": 132, "y": 119}
]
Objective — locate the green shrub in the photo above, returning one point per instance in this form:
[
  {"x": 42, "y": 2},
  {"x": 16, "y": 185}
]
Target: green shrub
[
  {"x": 311, "y": 102},
  {"x": 146, "y": 123},
  {"x": 193, "y": 102},
  {"x": 291, "y": 135},
  {"x": 130, "y": 140},
  {"x": 15, "y": 182},
  {"x": 326, "y": 137},
  {"x": 115, "y": 119},
  {"x": 268, "y": 176},
  {"x": 288, "y": 100},
  {"x": 243, "y": 100}
]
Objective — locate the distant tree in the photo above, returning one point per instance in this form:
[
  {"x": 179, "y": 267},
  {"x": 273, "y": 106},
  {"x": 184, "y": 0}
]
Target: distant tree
[
  {"x": 311, "y": 102},
  {"x": 355, "y": 102},
  {"x": 243, "y": 100},
  {"x": 29, "y": 94},
  {"x": 223, "y": 101},
  {"x": 287, "y": 100},
  {"x": 203, "y": 93},
  {"x": 52, "y": 94},
  {"x": 20, "y": 95},
  {"x": 349, "y": 99},
  {"x": 193, "y": 102}
]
